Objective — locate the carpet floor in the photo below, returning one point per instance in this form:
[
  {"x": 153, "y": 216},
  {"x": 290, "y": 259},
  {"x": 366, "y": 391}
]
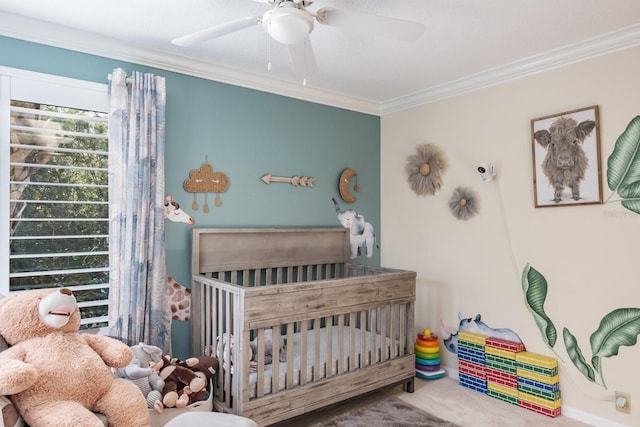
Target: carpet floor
[
  {"x": 443, "y": 398},
  {"x": 383, "y": 413}
]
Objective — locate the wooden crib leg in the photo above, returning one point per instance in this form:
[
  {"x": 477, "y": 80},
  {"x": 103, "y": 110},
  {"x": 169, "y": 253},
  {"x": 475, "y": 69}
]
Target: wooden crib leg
[{"x": 408, "y": 386}]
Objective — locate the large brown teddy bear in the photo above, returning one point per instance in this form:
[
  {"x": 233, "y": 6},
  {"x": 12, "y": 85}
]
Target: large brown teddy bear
[{"x": 56, "y": 376}]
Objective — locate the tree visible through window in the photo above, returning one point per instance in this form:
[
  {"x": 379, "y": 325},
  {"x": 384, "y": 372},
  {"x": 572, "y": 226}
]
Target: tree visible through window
[{"x": 58, "y": 204}]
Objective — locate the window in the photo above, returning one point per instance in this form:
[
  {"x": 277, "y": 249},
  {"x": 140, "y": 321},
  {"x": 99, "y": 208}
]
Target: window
[{"x": 55, "y": 188}]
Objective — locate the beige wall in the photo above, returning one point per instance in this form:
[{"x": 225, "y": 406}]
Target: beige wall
[{"x": 589, "y": 254}]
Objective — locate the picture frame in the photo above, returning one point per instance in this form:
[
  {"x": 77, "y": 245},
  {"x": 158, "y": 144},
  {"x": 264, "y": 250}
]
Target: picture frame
[{"x": 566, "y": 158}]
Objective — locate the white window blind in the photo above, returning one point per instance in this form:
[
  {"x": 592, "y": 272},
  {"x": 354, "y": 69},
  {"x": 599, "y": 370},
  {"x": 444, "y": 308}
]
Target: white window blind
[{"x": 57, "y": 201}]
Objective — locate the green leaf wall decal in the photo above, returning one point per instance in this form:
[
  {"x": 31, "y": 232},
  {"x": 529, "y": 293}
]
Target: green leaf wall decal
[
  {"x": 630, "y": 190},
  {"x": 534, "y": 286},
  {"x": 575, "y": 354},
  {"x": 618, "y": 328},
  {"x": 632, "y": 205},
  {"x": 623, "y": 165},
  {"x": 631, "y": 196}
]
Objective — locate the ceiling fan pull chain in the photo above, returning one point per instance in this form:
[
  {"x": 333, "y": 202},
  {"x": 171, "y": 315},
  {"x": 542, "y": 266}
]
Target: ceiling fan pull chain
[
  {"x": 269, "y": 66},
  {"x": 304, "y": 66}
]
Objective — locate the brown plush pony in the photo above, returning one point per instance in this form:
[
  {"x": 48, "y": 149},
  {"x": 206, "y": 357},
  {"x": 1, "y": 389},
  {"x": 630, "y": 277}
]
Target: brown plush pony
[{"x": 56, "y": 376}]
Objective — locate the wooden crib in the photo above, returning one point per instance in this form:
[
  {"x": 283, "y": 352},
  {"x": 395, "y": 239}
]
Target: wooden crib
[{"x": 338, "y": 329}]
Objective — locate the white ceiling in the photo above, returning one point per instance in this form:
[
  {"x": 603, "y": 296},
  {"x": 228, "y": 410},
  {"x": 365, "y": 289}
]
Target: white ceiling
[{"x": 467, "y": 44}]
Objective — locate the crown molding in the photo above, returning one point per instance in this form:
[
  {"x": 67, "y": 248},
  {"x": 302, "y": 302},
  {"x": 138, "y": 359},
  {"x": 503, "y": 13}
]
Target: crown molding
[
  {"x": 19, "y": 27},
  {"x": 611, "y": 42},
  {"x": 22, "y": 28}
]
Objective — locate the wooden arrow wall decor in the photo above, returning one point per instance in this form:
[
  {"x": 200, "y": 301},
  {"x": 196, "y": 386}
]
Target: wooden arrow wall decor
[{"x": 302, "y": 181}]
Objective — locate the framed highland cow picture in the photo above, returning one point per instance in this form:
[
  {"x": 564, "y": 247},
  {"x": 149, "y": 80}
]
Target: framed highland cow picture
[{"x": 566, "y": 158}]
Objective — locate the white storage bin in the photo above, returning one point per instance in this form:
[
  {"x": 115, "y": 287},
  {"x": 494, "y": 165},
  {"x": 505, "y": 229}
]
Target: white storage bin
[{"x": 159, "y": 420}]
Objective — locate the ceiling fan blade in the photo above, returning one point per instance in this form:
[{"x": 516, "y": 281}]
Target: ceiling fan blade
[
  {"x": 392, "y": 28},
  {"x": 217, "y": 31},
  {"x": 304, "y": 61}
]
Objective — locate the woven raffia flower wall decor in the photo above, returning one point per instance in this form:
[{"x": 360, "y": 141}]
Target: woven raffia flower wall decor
[
  {"x": 463, "y": 203},
  {"x": 425, "y": 169}
]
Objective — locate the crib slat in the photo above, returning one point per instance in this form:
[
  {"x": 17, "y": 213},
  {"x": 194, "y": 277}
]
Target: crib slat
[
  {"x": 341, "y": 359},
  {"x": 241, "y": 361},
  {"x": 289, "y": 353},
  {"x": 352, "y": 342},
  {"x": 383, "y": 333},
  {"x": 393, "y": 350},
  {"x": 363, "y": 339},
  {"x": 374, "y": 347},
  {"x": 303, "y": 353},
  {"x": 229, "y": 388},
  {"x": 245, "y": 277},
  {"x": 275, "y": 365},
  {"x": 316, "y": 350},
  {"x": 260, "y": 359},
  {"x": 329, "y": 357},
  {"x": 206, "y": 326}
]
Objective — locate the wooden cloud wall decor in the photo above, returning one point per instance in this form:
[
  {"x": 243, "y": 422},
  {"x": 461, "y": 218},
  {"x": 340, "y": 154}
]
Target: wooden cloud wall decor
[{"x": 205, "y": 180}]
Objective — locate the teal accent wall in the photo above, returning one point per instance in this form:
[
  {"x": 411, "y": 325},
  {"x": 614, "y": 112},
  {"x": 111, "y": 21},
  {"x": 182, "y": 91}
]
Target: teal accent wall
[{"x": 245, "y": 134}]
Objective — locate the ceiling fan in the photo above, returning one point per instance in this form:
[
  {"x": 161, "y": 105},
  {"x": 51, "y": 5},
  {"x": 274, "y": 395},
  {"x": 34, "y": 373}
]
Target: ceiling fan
[{"x": 290, "y": 22}]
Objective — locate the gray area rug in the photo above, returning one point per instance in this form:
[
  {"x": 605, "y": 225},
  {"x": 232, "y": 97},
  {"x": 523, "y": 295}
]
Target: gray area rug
[{"x": 391, "y": 412}]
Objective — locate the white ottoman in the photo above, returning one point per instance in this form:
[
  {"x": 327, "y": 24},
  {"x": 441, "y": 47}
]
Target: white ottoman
[{"x": 214, "y": 419}]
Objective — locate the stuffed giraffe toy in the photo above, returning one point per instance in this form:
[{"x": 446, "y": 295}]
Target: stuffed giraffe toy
[{"x": 179, "y": 296}]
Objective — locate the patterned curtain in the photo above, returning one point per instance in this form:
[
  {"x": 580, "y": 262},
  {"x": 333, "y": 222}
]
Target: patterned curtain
[{"x": 138, "y": 303}]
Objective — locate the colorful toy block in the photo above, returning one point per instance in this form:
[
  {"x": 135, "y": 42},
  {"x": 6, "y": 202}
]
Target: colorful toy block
[
  {"x": 514, "y": 347},
  {"x": 501, "y": 364},
  {"x": 473, "y": 337},
  {"x": 471, "y": 355},
  {"x": 500, "y": 353},
  {"x": 538, "y": 363},
  {"x": 501, "y": 377},
  {"x": 505, "y": 370},
  {"x": 472, "y": 369},
  {"x": 508, "y": 394},
  {"x": 522, "y": 373},
  {"x": 473, "y": 383}
]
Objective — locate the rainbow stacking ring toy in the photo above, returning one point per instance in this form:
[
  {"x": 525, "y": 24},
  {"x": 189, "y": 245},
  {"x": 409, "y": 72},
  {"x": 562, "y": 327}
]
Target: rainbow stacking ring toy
[{"x": 427, "y": 354}]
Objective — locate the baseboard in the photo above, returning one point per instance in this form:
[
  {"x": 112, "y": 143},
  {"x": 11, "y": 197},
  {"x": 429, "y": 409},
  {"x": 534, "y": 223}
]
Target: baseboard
[
  {"x": 587, "y": 418},
  {"x": 451, "y": 373},
  {"x": 567, "y": 411}
]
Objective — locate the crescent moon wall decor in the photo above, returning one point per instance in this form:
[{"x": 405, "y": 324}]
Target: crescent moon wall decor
[
  {"x": 425, "y": 169},
  {"x": 344, "y": 185}
]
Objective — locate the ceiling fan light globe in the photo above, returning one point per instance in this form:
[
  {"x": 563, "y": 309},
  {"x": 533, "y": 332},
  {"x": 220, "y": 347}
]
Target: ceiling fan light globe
[{"x": 288, "y": 25}]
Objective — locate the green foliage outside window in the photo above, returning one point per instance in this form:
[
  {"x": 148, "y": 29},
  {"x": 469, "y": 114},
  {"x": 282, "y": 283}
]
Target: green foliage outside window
[{"x": 59, "y": 204}]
